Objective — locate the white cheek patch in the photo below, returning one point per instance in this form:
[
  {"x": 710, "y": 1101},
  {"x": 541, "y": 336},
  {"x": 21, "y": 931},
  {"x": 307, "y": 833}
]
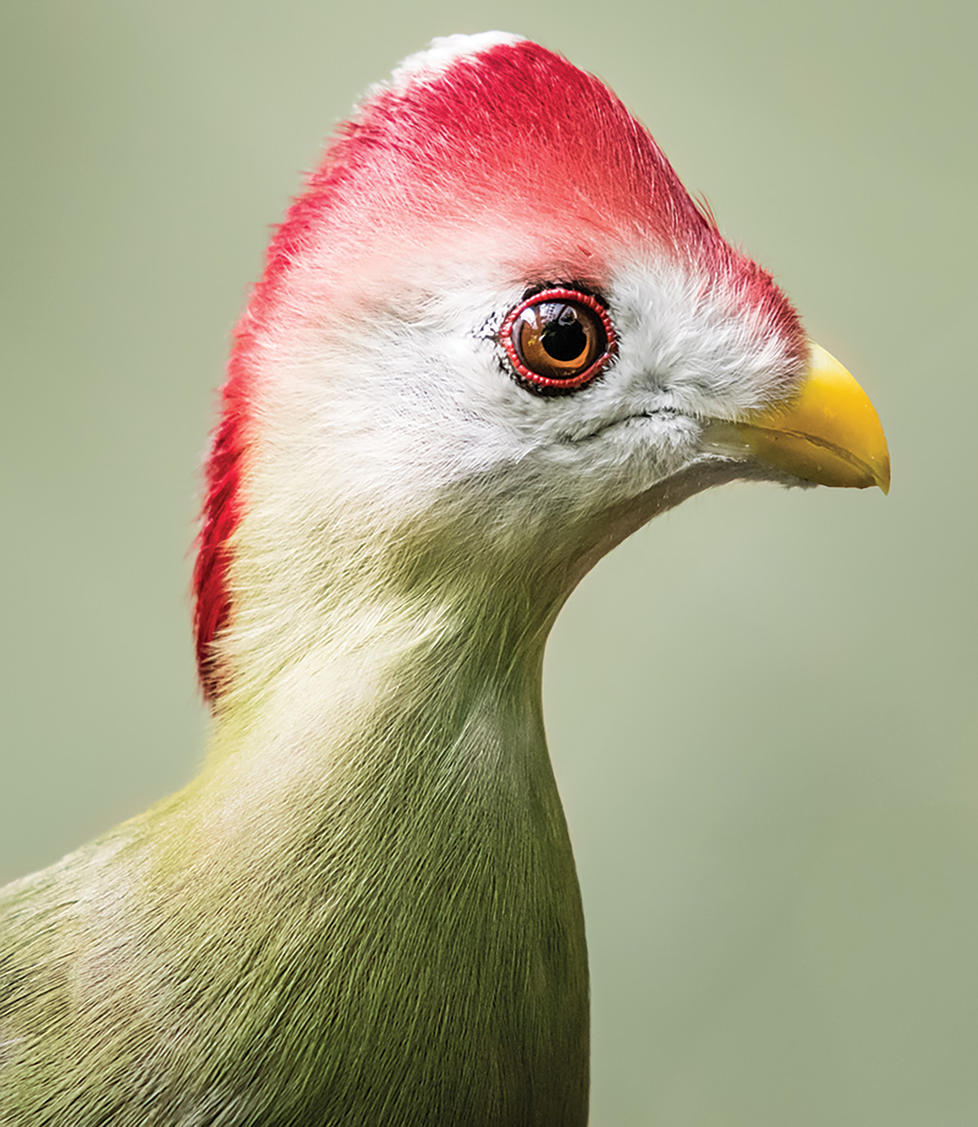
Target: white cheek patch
[
  {"x": 391, "y": 403},
  {"x": 688, "y": 341},
  {"x": 403, "y": 413},
  {"x": 371, "y": 417},
  {"x": 414, "y": 394}
]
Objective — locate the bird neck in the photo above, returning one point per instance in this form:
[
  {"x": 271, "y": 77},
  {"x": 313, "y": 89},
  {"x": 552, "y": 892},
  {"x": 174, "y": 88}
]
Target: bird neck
[
  {"x": 378, "y": 675},
  {"x": 414, "y": 725},
  {"x": 387, "y": 803},
  {"x": 368, "y": 889}
]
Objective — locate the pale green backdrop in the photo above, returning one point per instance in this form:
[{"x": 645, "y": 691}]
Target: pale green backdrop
[{"x": 761, "y": 709}]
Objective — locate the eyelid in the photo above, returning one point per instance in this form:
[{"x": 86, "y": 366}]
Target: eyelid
[{"x": 533, "y": 379}]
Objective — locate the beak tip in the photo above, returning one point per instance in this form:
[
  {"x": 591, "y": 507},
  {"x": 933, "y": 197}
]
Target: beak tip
[
  {"x": 829, "y": 433},
  {"x": 883, "y": 477}
]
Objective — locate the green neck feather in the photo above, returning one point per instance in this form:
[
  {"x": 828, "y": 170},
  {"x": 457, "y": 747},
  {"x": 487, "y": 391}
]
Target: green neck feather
[{"x": 364, "y": 910}]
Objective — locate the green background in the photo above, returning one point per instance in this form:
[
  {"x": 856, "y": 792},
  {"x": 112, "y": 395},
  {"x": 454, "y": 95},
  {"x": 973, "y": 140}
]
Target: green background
[{"x": 761, "y": 708}]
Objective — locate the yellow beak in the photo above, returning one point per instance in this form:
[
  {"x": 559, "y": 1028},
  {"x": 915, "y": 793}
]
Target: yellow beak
[{"x": 828, "y": 432}]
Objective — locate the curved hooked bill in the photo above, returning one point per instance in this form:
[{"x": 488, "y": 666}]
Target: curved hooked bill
[{"x": 827, "y": 433}]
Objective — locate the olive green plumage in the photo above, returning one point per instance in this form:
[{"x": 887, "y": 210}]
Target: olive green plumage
[{"x": 220, "y": 960}]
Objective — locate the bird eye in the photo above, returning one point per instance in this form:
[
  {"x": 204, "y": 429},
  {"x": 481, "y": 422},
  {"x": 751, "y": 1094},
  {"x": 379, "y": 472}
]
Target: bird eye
[{"x": 558, "y": 340}]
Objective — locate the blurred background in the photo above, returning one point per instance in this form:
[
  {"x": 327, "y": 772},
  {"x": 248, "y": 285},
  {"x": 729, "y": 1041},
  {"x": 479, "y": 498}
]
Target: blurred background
[{"x": 771, "y": 767}]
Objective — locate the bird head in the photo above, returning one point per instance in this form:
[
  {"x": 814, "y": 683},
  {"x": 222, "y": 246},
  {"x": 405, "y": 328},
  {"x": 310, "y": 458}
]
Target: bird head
[{"x": 493, "y": 336}]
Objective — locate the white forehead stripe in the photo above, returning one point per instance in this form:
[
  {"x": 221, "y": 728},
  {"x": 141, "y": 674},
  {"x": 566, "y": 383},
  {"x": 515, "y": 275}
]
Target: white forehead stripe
[{"x": 441, "y": 53}]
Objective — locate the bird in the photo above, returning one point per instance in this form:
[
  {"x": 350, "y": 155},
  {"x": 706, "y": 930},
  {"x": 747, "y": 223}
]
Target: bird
[{"x": 494, "y": 335}]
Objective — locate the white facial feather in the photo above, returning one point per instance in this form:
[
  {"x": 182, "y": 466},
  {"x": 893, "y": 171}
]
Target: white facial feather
[
  {"x": 399, "y": 415},
  {"x": 394, "y": 401}
]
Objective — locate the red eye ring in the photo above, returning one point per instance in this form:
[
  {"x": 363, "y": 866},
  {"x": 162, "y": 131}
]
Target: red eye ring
[{"x": 571, "y": 297}]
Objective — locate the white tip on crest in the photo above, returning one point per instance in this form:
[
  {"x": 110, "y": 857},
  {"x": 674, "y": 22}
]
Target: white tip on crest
[{"x": 440, "y": 54}]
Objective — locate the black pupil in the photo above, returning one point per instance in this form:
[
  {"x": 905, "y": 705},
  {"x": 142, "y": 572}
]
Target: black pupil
[{"x": 563, "y": 336}]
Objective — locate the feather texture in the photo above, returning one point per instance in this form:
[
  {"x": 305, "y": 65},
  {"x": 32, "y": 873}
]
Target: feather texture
[{"x": 364, "y": 910}]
